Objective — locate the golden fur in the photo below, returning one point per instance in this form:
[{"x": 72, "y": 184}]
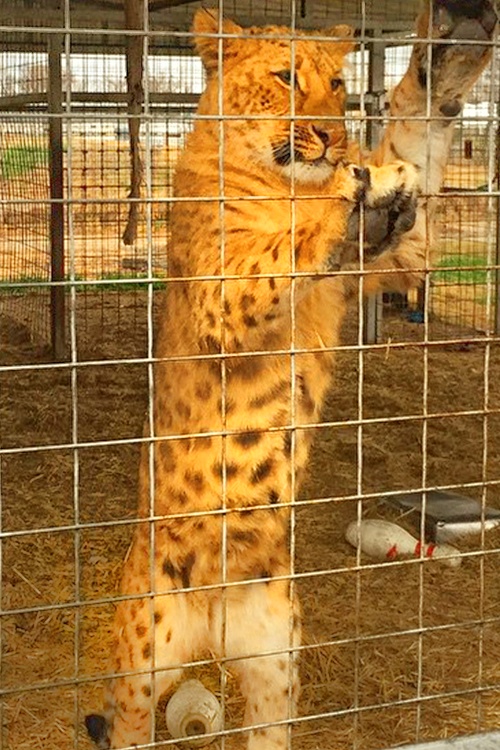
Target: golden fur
[{"x": 233, "y": 409}]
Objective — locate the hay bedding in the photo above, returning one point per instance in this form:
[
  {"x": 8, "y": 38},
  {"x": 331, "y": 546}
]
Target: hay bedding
[{"x": 381, "y": 667}]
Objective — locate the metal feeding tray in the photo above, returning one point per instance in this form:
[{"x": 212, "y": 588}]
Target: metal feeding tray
[{"x": 448, "y": 515}]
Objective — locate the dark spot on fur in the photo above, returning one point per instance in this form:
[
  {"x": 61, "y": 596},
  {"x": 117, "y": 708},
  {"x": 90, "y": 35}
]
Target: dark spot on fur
[
  {"x": 200, "y": 444},
  {"x": 262, "y": 471},
  {"x": 173, "y": 536},
  {"x": 231, "y": 469},
  {"x": 247, "y": 368},
  {"x": 158, "y": 617},
  {"x": 287, "y": 443},
  {"x": 165, "y": 418},
  {"x": 272, "y": 284},
  {"x": 255, "y": 269},
  {"x": 227, "y": 307},
  {"x": 394, "y": 151},
  {"x": 243, "y": 536},
  {"x": 168, "y": 569},
  {"x": 195, "y": 480},
  {"x": 203, "y": 390},
  {"x": 168, "y": 636},
  {"x": 422, "y": 77},
  {"x": 146, "y": 690},
  {"x": 229, "y": 405},
  {"x": 247, "y": 301},
  {"x": 275, "y": 300},
  {"x": 275, "y": 254},
  {"x": 300, "y": 250},
  {"x": 175, "y": 269},
  {"x": 250, "y": 321},
  {"x": 306, "y": 398},
  {"x": 278, "y": 390},
  {"x": 186, "y": 568},
  {"x": 247, "y": 439},
  {"x": 180, "y": 496},
  {"x": 274, "y": 497},
  {"x": 141, "y": 631},
  {"x": 210, "y": 344},
  {"x": 183, "y": 409},
  {"x": 167, "y": 456},
  {"x": 146, "y": 651},
  {"x": 210, "y": 319}
]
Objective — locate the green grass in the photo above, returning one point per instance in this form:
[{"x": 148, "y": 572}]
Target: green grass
[
  {"x": 464, "y": 269},
  {"x": 17, "y": 160},
  {"x": 114, "y": 283}
]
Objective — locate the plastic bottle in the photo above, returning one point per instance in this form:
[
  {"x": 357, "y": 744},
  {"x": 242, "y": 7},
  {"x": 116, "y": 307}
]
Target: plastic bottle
[{"x": 193, "y": 711}]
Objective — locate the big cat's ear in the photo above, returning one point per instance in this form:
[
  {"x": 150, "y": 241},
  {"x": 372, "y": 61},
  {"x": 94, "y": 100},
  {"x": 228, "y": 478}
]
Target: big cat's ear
[
  {"x": 346, "y": 41},
  {"x": 206, "y": 21}
]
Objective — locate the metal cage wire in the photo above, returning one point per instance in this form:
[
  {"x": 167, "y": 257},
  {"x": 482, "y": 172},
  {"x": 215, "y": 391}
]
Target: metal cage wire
[{"x": 383, "y": 671}]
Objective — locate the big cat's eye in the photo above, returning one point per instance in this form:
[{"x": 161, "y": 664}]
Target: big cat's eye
[
  {"x": 336, "y": 83},
  {"x": 286, "y": 77}
]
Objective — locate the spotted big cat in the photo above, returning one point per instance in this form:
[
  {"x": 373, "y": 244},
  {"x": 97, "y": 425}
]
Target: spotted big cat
[{"x": 263, "y": 258}]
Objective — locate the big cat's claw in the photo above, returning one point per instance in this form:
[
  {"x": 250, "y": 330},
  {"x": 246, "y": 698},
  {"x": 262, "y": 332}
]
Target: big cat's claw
[
  {"x": 465, "y": 23},
  {"x": 464, "y": 19},
  {"x": 385, "y": 210}
]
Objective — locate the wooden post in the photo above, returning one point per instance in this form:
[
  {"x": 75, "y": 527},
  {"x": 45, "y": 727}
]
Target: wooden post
[
  {"x": 496, "y": 322},
  {"x": 134, "y": 20},
  {"x": 56, "y": 167}
]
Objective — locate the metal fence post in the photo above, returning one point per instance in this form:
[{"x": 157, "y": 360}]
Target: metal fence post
[{"x": 372, "y": 307}]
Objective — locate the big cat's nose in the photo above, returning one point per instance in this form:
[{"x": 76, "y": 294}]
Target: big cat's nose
[
  {"x": 331, "y": 137},
  {"x": 322, "y": 134}
]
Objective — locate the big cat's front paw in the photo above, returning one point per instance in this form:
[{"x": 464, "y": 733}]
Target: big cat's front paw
[
  {"x": 386, "y": 210},
  {"x": 455, "y": 63},
  {"x": 465, "y": 20},
  {"x": 391, "y": 185}
]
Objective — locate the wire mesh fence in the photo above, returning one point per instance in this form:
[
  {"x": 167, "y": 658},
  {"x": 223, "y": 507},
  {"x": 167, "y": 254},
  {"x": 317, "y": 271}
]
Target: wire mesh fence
[{"x": 199, "y": 358}]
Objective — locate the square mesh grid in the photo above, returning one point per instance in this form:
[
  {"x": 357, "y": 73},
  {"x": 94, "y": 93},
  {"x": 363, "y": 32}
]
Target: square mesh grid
[{"x": 393, "y": 651}]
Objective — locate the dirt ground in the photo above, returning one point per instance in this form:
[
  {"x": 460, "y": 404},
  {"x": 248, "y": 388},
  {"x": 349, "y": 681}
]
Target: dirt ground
[{"x": 394, "y": 652}]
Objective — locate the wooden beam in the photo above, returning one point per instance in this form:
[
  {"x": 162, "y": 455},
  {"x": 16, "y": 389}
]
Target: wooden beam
[
  {"x": 135, "y": 11},
  {"x": 156, "y": 99},
  {"x": 56, "y": 178},
  {"x": 155, "y": 5}
]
